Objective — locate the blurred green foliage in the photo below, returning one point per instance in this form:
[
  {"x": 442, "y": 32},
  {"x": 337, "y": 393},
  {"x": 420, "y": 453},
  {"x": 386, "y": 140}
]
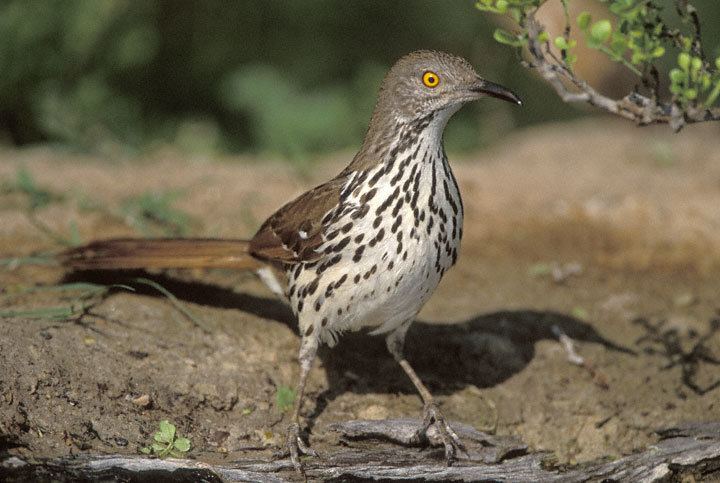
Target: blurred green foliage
[{"x": 288, "y": 78}]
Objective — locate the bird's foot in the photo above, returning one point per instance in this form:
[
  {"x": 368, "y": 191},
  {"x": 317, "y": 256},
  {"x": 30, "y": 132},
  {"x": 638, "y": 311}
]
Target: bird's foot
[
  {"x": 449, "y": 438},
  {"x": 296, "y": 446}
]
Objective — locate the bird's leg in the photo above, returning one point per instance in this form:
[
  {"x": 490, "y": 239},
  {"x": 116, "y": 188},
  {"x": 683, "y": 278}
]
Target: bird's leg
[
  {"x": 431, "y": 413},
  {"x": 295, "y": 444}
]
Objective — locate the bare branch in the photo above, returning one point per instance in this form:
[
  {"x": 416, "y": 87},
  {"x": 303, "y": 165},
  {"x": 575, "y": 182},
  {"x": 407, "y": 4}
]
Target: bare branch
[{"x": 636, "y": 107}]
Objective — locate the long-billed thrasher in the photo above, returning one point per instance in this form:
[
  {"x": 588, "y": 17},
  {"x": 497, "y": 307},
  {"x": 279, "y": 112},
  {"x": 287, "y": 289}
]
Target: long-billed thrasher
[{"x": 365, "y": 249}]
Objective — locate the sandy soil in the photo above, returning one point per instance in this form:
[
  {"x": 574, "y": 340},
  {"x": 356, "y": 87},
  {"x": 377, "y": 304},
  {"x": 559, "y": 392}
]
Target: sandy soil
[{"x": 628, "y": 218}]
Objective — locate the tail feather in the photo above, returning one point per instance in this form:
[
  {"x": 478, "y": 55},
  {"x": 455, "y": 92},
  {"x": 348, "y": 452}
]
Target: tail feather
[{"x": 130, "y": 253}]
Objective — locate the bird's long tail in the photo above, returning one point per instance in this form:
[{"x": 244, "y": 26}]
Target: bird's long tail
[{"x": 132, "y": 253}]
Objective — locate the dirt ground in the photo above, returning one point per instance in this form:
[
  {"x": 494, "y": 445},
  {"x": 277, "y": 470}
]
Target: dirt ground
[{"x": 608, "y": 232}]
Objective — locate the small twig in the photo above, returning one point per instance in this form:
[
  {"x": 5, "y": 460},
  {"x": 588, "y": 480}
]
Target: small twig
[{"x": 568, "y": 344}]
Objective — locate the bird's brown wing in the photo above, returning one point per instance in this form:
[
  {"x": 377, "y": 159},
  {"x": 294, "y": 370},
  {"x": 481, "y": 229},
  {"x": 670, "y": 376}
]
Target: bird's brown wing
[{"x": 295, "y": 231}]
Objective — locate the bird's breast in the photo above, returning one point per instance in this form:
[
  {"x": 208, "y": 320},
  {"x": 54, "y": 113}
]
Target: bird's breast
[{"x": 392, "y": 237}]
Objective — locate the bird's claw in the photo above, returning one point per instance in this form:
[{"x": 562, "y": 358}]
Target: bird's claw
[
  {"x": 296, "y": 446},
  {"x": 449, "y": 438}
]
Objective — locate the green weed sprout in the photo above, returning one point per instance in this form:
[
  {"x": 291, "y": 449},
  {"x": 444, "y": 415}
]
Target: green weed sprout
[{"x": 167, "y": 443}]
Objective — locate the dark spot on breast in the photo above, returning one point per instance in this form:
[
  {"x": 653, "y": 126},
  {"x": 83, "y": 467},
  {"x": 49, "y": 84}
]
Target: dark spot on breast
[
  {"x": 313, "y": 286},
  {"x": 368, "y": 196},
  {"x": 397, "y": 207},
  {"x": 361, "y": 212},
  {"x": 380, "y": 234},
  {"x": 376, "y": 177},
  {"x": 397, "y": 223},
  {"x": 341, "y": 280},
  {"x": 342, "y": 244},
  {"x": 309, "y": 331},
  {"x": 386, "y": 204}
]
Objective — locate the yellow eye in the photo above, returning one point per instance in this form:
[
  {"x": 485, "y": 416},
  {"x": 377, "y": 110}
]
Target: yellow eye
[{"x": 430, "y": 79}]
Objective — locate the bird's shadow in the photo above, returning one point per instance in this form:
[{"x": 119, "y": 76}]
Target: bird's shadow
[{"x": 483, "y": 351}]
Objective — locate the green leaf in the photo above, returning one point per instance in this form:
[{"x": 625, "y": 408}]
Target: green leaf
[
  {"x": 158, "y": 448},
  {"x": 167, "y": 431},
  {"x": 284, "y": 398},
  {"x": 601, "y": 30},
  {"x": 684, "y": 60},
  {"x": 146, "y": 450},
  {"x": 695, "y": 64},
  {"x": 677, "y": 76},
  {"x": 161, "y": 438},
  {"x": 505, "y": 37},
  {"x": 182, "y": 444},
  {"x": 501, "y": 6},
  {"x": 561, "y": 43},
  {"x": 705, "y": 81},
  {"x": 583, "y": 20},
  {"x": 658, "y": 51},
  {"x": 619, "y": 44}
]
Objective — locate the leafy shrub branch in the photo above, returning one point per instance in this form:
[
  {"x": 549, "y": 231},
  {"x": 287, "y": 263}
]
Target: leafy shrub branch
[{"x": 640, "y": 38}]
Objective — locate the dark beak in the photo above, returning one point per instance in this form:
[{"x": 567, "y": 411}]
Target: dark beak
[{"x": 495, "y": 90}]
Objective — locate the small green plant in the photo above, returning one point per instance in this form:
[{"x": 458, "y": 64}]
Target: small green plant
[
  {"x": 284, "y": 398},
  {"x": 167, "y": 443}
]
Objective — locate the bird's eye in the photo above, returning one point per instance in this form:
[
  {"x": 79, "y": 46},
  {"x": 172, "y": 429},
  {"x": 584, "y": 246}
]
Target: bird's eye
[{"x": 430, "y": 79}]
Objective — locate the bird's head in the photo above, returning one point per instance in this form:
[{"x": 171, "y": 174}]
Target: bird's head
[{"x": 427, "y": 81}]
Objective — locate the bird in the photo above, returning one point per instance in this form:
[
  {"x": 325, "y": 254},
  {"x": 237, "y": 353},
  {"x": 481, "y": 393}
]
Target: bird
[{"x": 364, "y": 250}]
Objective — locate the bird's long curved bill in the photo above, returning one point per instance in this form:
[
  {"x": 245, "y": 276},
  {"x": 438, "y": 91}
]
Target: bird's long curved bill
[{"x": 496, "y": 90}]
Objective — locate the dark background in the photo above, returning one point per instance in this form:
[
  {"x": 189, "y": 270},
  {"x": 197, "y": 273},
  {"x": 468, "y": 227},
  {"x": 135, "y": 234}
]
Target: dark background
[{"x": 286, "y": 78}]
